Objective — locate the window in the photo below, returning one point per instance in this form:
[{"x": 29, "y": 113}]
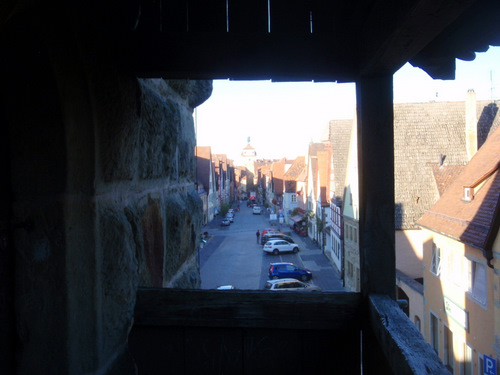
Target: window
[
  {"x": 294, "y": 198},
  {"x": 466, "y": 364},
  {"x": 418, "y": 324},
  {"x": 436, "y": 260},
  {"x": 350, "y": 270},
  {"x": 477, "y": 284},
  {"x": 468, "y": 194},
  {"x": 448, "y": 349},
  {"x": 434, "y": 331},
  {"x": 351, "y": 233},
  {"x": 456, "y": 268}
]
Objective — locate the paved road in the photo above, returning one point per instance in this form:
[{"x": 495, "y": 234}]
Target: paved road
[{"x": 233, "y": 256}]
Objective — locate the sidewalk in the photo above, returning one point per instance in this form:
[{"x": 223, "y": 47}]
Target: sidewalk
[{"x": 313, "y": 258}]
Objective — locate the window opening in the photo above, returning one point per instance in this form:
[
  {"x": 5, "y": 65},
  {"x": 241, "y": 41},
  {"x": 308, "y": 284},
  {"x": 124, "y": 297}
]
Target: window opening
[
  {"x": 448, "y": 349},
  {"x": 434, "y": 332},
  {"x": 436, "y": 260}
]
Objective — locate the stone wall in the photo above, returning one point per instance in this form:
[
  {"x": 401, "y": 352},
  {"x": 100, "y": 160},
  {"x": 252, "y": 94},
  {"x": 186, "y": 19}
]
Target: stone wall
[{"x": 100, "y": 200}]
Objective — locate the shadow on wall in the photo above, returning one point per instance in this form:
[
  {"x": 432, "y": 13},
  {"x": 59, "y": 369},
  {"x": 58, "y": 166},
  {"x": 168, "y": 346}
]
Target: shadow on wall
[{"x": 485, "y": 124}]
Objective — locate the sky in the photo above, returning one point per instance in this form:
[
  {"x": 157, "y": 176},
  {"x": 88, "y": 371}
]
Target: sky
[{"x": 281, "y": 119}]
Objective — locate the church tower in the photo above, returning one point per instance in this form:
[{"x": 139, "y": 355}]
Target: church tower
[{"x": 248, "y": 157}]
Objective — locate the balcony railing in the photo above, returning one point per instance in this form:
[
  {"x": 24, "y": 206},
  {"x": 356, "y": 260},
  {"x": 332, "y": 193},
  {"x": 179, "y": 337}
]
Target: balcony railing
[{"x": 252, "y": 332}]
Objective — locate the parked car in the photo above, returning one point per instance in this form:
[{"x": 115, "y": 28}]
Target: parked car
[
  {"x": 230, "y": 217},
  {"x": 280, "y": 246},
  {"x": 269, "y": 231},
  {"x": 225, "y": 223},
  {"x": 276, "y": 236},
  {"x": 257, "y": 210},
  {"x": 264, "y": 231},
  {"x": 288, "y": 271},
  {"x": 290, "y": 285},
  {"x": 226, "y": 287}
]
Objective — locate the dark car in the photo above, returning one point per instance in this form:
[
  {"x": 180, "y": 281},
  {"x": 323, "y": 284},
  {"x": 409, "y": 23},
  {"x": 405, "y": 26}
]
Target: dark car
[
  {"x": 288, "y": 271},
  {"x": 276, "y": 236}
]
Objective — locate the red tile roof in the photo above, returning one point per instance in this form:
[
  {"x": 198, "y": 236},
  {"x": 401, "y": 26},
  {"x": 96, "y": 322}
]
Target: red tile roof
[{"x": 470, "y": 222}]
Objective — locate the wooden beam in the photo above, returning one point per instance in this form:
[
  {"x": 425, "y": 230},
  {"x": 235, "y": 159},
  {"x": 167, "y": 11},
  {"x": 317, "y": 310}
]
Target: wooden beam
[
  {"x": 375, "y": 134},
  {"x": 461, "y": 40},
  {"x": 238, "y": 56},
  {"x": 416, "y": 27},
  {"x": 256, "y": 309}
]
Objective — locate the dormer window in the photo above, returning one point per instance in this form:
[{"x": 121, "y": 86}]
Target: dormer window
[
  {"x": 473, "y": 189},
  {"x": 468, "y": 194}
]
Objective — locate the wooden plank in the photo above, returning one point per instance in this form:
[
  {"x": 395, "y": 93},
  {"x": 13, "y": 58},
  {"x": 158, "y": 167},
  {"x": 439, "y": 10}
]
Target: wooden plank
[
  {"x": 150, "y": 19},
  {"x": 403, "y": 345},
  {"x": 219, "y": 350},
  {"x": 411, "y": 29},
  {"x": 376, "y": 185},
  {"x": 239, "y": 56},
  {"x": 214, "y": 351},
  {"x": 258, "y": 309},
  {"x": 290, "y": 16},
  {"x": 325, "y": 16},
  {"x": 174, "y": 15},
  {"x": 157, "y": 348},
  {"x": 207, "y": 16},
  {"x": 248, "y": 16},
  {"x": 263, "y": 347}
]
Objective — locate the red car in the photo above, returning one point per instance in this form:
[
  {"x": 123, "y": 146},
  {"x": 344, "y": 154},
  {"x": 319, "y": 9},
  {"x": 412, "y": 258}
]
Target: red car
[{"x": 264, "y": 231}]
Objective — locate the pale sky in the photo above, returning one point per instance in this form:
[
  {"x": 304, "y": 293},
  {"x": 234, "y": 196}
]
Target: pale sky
[{"x": 282, "y": 118}]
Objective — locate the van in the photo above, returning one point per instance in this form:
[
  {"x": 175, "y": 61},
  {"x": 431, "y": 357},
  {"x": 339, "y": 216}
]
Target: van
[{"x": 256, "y": 210}]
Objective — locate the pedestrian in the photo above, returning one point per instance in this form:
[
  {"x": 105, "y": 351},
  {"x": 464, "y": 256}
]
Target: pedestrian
[{"x": 258, "y": 235}]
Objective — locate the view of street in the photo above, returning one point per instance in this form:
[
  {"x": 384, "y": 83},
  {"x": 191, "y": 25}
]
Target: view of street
[{"x": 232, "y": 255}]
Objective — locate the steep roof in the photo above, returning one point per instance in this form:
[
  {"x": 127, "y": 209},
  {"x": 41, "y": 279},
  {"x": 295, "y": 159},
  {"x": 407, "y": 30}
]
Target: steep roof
[
  {"x": 340, "y": 135},
  {"x": 265, "y": 169},
  {"x": 314, "y": 148},
  {"x": 278, "y": 170},
  {"x": 425, "y": 135},
  {"x": 323, "y": 173},
  {"x": 203, "y": 165},
  {"x": 293, "y": 174},
  {"x": 444, "y": 175},
  {"x": 471, "y": 222}
]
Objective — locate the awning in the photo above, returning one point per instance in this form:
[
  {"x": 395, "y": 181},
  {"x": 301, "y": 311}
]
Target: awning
[{"x": 297, "y": 218}]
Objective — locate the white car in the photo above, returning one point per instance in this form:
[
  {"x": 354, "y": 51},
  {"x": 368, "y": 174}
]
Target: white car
[
  {"x": 225, "y": 287},
  {"x": 256, "y": 210},
  {"x": 290, "y": 285},
  {"x": 280, "y": 246}
]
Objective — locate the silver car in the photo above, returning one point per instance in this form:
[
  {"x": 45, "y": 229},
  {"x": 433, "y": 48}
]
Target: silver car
[
  {"x": 280, "y": 246},
  {"x": 290, "y": 285}
]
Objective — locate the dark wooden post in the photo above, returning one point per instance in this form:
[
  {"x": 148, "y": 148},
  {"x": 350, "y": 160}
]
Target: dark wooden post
[
  {"x": 376, "y": 184},
  {"x": 376, "y": 204}
]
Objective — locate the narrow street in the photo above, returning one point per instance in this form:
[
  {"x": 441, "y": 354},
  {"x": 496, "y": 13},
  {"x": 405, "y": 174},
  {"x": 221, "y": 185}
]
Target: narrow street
[{"x": 233, "y": 256}]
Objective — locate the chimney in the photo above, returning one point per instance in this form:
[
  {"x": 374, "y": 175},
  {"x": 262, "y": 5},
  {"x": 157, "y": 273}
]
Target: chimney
[{"x": 470, "y": 124}]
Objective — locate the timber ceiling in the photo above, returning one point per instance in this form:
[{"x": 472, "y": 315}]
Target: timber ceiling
[{"x": 320, "y": 40}]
